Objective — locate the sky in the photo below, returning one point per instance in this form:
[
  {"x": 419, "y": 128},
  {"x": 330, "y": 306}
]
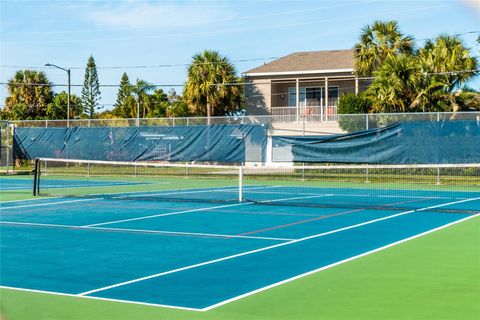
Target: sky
[{"x": 155, "y": 40}]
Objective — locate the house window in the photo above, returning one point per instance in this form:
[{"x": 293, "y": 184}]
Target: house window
[
  {"x": 312, "y": 96},
  {"x": 332, "y": 96},
  {"x": 292, "y": 96}
]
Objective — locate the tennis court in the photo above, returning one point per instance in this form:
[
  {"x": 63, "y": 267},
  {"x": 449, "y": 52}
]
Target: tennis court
[{"x": 197, "y": 253}]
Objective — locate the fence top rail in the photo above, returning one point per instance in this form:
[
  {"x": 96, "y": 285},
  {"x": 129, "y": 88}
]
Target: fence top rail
[{"x": 249, "y": 119}]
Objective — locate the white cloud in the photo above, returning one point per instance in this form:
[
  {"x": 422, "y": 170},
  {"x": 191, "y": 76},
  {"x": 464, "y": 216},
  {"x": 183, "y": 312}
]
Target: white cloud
[{"x": 142, "y": 14}]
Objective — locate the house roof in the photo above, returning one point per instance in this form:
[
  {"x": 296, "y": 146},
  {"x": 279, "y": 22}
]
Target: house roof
[{"x": 307, "y": 63}]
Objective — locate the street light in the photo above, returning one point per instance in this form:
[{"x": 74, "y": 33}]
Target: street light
[{"x": 68, "y": 93}]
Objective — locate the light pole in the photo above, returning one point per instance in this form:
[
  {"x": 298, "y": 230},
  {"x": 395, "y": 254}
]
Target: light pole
[{"x": 68, "y": 92}]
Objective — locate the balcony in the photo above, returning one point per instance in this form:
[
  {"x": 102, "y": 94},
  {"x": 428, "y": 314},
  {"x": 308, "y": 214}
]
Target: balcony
[{"x": 305, "y": 113}]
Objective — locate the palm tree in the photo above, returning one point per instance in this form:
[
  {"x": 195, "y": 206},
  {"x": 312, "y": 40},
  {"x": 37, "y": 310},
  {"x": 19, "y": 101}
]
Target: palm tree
[
  {"x": 467, "y": 99},
  {"x": 204, "y": 91},
  {"x": 446, "y": 59},
  {"x": 140, "y": 91},
  {"x": 30, "y": 91},
  {"x": 446, "y": 63},
  {"x": 377, "y": 42},
  {"x": 395, "y": 85}
]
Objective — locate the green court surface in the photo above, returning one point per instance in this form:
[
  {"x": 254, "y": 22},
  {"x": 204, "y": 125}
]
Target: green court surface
[{"x": 436, "y": 276}]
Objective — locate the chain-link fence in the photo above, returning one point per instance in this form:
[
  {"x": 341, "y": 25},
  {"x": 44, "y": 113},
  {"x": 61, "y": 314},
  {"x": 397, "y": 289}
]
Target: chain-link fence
[
  {"x": 6, "y": 138},
  {"x": 298, "y": 125}
]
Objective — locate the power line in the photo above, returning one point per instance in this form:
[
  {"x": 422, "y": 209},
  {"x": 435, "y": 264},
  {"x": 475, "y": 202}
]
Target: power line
[
  {"x": 146, "y": 66},
  {"x": 322, "y": 78},
  {"x": 203, "y": 63},
  {"x": 81, "y": 85}
]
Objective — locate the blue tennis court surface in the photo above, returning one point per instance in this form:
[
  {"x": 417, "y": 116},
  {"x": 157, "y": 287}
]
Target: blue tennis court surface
[
  {"x": 7, "y": 184},
  {"x": 201, "y": 255}
]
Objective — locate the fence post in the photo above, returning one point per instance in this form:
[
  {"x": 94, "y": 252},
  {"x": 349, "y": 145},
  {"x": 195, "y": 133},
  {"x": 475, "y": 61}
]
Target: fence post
[
  {"x": 438, "y": 168},
  {"x": 240, "y": 183},
  {"x": 13, "y": 153},
  {"x": 303, "y": 122},
  {"x": 7, "y": 145},
  {"x": 297, "y": 98}
]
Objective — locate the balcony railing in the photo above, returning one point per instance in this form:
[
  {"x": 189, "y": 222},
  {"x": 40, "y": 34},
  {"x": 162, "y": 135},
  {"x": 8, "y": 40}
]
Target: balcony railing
[{"x": 307, "y": 113}]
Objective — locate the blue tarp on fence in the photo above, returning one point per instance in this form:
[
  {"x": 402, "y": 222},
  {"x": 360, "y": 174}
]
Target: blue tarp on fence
[
  {"x": 215, "y": 143},
  {"x": 419, "y": 142},
  {"x": 403, "y": 143}
]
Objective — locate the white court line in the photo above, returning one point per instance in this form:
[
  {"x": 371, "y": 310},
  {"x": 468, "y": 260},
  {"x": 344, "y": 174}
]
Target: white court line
[
  {"x": 229, "y": 189},
  {"x": 102, "y": 299},
  {"x": 32, "y": 199},
  {"x": 146, "y": 193},
  {"x": 267, "y": 248},
  {"x": 112, "y": 193},
  {"x": 76, "y": 186},
  {"x": 334, "y": 264},
  {"x": 17, "y": 188},
  {"x": 194, "y": 210},
  {"x": 82, "y": 186},
  {"x": 49, "y": 203},
  {"x": 144, "y": 231},
  {"x": 165, "y": 214}
]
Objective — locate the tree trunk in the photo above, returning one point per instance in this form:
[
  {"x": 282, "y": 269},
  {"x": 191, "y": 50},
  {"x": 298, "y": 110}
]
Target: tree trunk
[{"x": 209, "y": 113}]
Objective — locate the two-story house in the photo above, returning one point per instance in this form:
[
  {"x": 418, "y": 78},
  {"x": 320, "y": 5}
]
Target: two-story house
[{"x": 302, "y": 84}]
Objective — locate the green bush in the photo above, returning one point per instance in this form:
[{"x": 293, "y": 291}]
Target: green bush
[{"x": 352, "y": 104}]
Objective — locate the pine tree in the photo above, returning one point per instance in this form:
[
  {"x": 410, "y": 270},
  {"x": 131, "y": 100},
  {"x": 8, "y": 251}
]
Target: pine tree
[
  {"x": 91, "y": 88},
  {"x": 124, "y": 91}
]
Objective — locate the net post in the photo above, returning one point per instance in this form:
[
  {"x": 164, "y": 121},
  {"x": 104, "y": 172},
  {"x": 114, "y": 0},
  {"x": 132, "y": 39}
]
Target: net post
[
  {"x": 35, "y": 177},
  {"x": 240, "y": 183}
]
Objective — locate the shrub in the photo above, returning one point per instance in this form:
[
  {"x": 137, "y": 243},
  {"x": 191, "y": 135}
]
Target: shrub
[{"x": 352, "y": 104}]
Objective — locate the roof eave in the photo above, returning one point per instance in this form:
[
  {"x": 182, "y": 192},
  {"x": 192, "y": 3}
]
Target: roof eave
[{"x": 289, "y": 73}]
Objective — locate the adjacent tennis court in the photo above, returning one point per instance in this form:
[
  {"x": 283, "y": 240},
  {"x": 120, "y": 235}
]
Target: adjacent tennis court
[{"x": 111, "y": 237}]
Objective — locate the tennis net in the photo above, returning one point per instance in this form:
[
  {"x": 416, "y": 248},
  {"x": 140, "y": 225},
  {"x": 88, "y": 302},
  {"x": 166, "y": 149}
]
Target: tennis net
[{"x": 446, "y": 188}]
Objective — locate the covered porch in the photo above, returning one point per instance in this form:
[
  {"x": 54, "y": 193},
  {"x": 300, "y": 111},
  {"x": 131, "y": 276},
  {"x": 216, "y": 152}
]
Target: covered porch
[{"x": 309, "y": 99}]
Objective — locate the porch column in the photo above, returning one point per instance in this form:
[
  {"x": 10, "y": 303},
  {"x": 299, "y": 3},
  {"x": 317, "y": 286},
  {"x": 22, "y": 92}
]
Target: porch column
[
  {"x": 326, "y": 101},
  {"x": 356, "y": 85},
  {"x": 297, "y": 98}
]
